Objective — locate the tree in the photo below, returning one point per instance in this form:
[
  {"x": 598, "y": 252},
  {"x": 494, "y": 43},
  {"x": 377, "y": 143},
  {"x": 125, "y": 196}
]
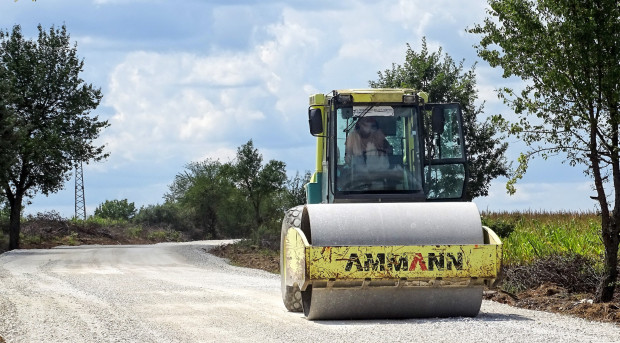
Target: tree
[
  {"x": 46, "y": 107},
  {"x": 7, "y": 136},
  {"x": 295, "y": 189},
  {"x": 567, "y": 53},
  {"x": 209, "y": 199},
  {"x": 445, "y": 81},
  {"x": 258, "y": 182},
  {"x": 232, "y": 199},
  {"x": 116, "y": 209}
]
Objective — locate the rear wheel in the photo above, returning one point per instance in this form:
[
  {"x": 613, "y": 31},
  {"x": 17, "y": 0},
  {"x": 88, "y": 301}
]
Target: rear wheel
[{"x": 291, "y": 295}]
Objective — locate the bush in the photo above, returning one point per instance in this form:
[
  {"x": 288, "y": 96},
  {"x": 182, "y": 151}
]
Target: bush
[
  {"x": 164, "y": 236},
  {"x": 503, "y": 228},
  {"x": 5, "y": 212},
  {"x": 165, "y": 215},
  {"x": 574, "y": 272},
  {"x": 116, "y": 209},
  {"x": 134, "y": 231}
]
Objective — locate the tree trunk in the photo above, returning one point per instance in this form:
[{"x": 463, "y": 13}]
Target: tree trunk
[
  {"x": 15, "y": 221},
  {"x": 611, "y": 240}
]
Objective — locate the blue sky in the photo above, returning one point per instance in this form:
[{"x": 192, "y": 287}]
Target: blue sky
[{"x": 185, "y": 81}]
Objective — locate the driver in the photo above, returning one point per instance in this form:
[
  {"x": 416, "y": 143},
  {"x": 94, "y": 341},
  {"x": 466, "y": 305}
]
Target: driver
[{"x": 366, "y": 146}]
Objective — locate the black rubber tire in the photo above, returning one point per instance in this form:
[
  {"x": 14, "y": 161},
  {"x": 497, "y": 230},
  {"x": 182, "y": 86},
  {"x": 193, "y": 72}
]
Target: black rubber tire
[
  {"x": 292, "y": 300},
  {"x": 291, "y": 295}
]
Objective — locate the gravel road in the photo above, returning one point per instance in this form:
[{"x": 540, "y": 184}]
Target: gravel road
[{"x": 179, "y": 293}]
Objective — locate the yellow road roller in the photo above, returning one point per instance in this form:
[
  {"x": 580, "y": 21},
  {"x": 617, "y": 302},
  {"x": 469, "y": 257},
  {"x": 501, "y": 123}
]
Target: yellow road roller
[{"x": 386, "y": 232}]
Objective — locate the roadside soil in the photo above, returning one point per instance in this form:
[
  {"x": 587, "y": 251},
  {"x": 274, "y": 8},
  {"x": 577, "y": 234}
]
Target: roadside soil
[
  {"x": 547, "y": 297},
  {"x": 249, "y": 256},
  {"x": 46, "y": 234}
]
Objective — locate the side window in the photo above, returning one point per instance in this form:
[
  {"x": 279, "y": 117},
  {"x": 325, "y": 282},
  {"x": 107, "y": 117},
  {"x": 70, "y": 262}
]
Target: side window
[
  {"x": 344, "y": 120},
  {"x": 444, "y": 181},
  {"x": 443, "y": 134},
  {"x": 450, "y": 139},
  {"x": 444, "y": 167}
]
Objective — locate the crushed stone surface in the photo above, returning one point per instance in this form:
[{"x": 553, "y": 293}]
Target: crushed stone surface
[{"x": 176, "y": 292}]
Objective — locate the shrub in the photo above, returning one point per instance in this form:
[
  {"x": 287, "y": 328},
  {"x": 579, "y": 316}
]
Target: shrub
[
  {"x": 134, "y": 231},
  {"x": 501, "y": 227},
  {"x": 164, "y": 236},
  {"x": 116, "y": 209},
  {"x": 165, "y": 215},
  {"x": 573, "y": 272}
]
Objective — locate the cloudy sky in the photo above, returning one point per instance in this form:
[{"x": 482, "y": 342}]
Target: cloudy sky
[{"x": 185, "y": 81}]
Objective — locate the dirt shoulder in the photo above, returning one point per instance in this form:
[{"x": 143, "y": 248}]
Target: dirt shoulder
[
  {"x": 547, "y": 297},
  {"x": 249, "y": 256},
  {"x": 45, "y": 234}
]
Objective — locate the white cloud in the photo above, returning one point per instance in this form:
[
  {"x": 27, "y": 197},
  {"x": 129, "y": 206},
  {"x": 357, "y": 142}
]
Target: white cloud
[
  {"x": 191, "y": 99},
  {"x": 162, "y": 101},
  {"x": 551, "y": 196}
]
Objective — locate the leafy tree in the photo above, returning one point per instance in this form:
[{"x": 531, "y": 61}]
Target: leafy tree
[
  {"x": 295, "y": 189},
  {"x": 209, "y": 199},
  {"x": 116, "y": 209},
  {"x": 259, "y": 183},
  {"x": 567, "y": 53},
  {"x": 446, "y": 81},
  {"x": 46, "y": 107},
  {"x": 165, "y": 215}
]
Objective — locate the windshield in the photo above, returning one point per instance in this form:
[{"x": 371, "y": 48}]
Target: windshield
[{"x": 378, "y": 149}]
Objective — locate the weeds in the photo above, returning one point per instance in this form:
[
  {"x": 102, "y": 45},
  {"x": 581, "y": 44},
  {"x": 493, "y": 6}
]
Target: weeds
[
  {"x": 134, "y": 231},
  {"x": 537, "y": 235},
  {"x": 71, "y": 239},
  {"x": 164, "y": 236},
  {"x": 573, "y": 272}
]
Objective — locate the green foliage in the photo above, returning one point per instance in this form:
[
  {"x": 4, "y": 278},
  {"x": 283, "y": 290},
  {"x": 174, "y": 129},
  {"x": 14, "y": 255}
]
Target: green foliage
[
  {"x": 503, "y": 228},
  {"x": 134, "y": 231},
  {"x": 166, "y": 214},
  {"x": 567, "y": 54},
  {"x": 241, "y": 198},
  {"x": 260, "y": 184},
  {"x": 164, "y": 236},
  {"x": 535, "y": 235},
  {"x": 5, "y": 213},
  {"x": 44, "y": 115},
  {"x": 98, "y": 221},
  {"x": 71, "y": 239},
  {"x": 296, "y": 191},
  {"x": 206, "y": 197},
  {"x": 447, "y": 81},
  {"x": 116, "y": 209}
]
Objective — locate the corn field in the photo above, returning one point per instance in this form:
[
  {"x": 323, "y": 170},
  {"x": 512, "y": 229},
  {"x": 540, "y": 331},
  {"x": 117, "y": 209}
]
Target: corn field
[{"x": 532, "y": 235}]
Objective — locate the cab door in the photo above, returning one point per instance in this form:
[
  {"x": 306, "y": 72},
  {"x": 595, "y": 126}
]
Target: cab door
[{"x": 445, "y": 171}]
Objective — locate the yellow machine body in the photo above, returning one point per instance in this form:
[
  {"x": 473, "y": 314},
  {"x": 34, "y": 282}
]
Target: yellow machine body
[
  {"x": 401, "y": 245},
  {"x": 413, "y": 265}
]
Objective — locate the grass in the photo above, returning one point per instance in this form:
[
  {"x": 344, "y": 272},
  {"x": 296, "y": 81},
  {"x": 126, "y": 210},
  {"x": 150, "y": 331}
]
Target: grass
[{"x": 536, "y": 235}]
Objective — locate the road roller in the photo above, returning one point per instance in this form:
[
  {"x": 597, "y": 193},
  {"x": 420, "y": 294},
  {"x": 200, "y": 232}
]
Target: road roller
[{"x": 386, "y": 231}]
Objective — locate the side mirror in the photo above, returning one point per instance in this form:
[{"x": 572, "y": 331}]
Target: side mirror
[
  {"x": 315, "y": 120},
  {"x": 438, "y": 120}
]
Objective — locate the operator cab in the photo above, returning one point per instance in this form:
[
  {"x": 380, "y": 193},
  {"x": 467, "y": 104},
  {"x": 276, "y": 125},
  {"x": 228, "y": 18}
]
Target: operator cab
[
  {"x": 391, "y": 151},
  {"x": 372, "y": 155}
]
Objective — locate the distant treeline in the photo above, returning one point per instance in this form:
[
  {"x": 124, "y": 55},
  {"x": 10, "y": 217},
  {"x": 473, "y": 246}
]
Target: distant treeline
[{"x": 244, "y": 198}]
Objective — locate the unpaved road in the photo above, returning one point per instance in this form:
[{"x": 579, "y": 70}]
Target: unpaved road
[{"x": 179, "y": 293}]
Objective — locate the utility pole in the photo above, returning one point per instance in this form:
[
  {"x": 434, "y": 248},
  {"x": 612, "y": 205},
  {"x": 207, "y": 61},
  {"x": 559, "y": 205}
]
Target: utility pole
[{"x": 80, "y": 204}]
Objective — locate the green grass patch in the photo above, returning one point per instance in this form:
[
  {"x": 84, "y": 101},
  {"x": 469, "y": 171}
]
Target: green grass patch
[
  {"x": 537, "y": 235},
  {"x": 134, "y": 231}
]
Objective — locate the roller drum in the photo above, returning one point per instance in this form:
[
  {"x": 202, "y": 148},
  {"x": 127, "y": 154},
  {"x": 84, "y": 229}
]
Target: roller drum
[
  {"x": 392, "y": 302},
  {"x": 392, "y": 224}
]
